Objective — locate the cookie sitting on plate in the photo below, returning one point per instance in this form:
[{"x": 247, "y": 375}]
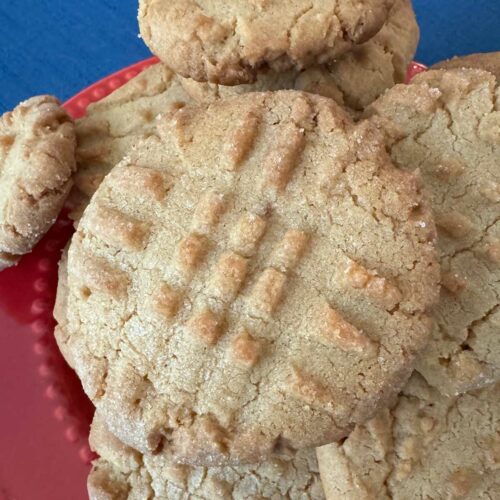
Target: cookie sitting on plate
[
  {"x": 440, "y": 439},
  {"x": 37, "y": 160},
  {"x": 446, "y": 124},
  {"x": 231, "y": 247}
]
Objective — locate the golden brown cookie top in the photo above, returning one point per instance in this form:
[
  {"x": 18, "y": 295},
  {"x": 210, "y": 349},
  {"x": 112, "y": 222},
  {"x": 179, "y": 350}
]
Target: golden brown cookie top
[
  {"x": 228, "y": 42},
  {"x": 254, "y": 276},
  {"x": 427, "y": 446},
  {"x": 122, "y": 472},
  {"x": 446, "y": 124},
  {"x": 37, "y": 159}
]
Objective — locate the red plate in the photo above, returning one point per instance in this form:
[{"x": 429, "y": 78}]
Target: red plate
[{"x": 45, "y": 416}]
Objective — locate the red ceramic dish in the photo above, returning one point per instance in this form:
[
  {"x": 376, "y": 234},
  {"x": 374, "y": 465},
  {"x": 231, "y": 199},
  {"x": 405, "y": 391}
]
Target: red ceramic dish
[{"x": 45, "y": 416}]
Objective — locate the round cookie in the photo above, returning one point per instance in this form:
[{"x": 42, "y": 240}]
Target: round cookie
[
  {"x": 489, "y": 61},
  {"x": 228, "y": 43},
  {"x": 114, "y": 124},
  {"x": 241, "y": 241},
  {"x": 427, "y": 446},
  {"x": 447, "y": 125},
  {"x": 37, "y": 159},
  {"x": 354, "y": 80},
  {"x": 123, "y": 473}
]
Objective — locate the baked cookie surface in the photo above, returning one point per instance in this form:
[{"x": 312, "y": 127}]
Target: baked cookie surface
[
  {"x": 123, "y": 473},
  {"x": 353, "y": 80},
  {"x": 240, "y": 242},
  {"x": 228, "y": 42},
  {"x": 114, "y": 124},
  {"x": 488, "y": 61},
  {"x": 427, "y": 446},
  {"x": 37, "y": 160},
  {"x": 446, "y": 124}
]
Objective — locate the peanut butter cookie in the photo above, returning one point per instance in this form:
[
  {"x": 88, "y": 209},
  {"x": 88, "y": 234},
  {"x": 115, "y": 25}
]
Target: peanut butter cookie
[
  {"x": 253, "y": 277},
  {"x": 440, "y": 441},
  {"x": 446, "y": 124},
  {"x": 37, "y": 160}
]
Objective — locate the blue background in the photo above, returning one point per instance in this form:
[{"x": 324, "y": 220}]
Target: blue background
[{"x": 61, "y": 46}]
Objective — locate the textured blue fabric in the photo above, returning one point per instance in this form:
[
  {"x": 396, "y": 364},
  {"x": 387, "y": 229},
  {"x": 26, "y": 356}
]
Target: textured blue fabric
[{"x": 61, "y": 46}]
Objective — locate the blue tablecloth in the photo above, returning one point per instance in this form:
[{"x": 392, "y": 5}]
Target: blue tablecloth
[{"x": 61, "y": 46}]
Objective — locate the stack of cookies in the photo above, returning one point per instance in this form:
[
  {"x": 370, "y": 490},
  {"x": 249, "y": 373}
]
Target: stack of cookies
[{"x": 285, "y": 276}]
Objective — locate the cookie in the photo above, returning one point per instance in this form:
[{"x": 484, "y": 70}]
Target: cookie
[
  {"x": 228, "y": 43},
  {"x": 354, "y": 80},
  {"x": 427, "y": 446},
  {"x": 488, "y": 61},
  {"x": 113, "y": 125},
  {"x": 447, "y": 125},
  {"x": 37, "y": 160},
  {"x": 241, "y": 241},
  {"x": 123, "y": 473}
]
